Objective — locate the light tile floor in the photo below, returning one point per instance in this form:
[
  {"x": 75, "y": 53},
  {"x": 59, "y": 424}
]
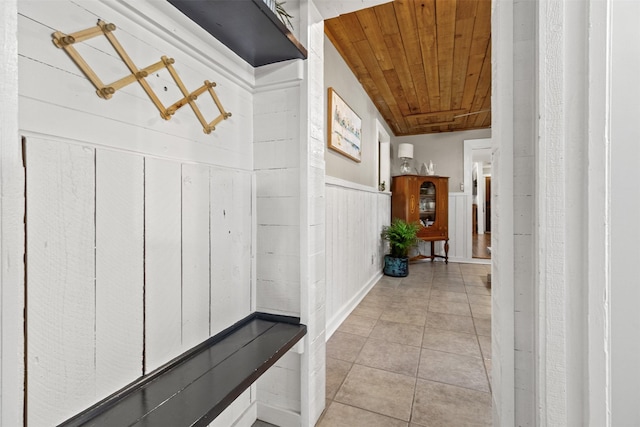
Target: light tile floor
[{"x": 415, "y": 352}]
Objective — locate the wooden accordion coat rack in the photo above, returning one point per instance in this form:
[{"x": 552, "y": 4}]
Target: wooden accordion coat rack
[{"x": 66, "y": 42}]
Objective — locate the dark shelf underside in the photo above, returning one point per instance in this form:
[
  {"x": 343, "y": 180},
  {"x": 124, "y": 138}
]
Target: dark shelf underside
[{"x": 247, "y": 27}]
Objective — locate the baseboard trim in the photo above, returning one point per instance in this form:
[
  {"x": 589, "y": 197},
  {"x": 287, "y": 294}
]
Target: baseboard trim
[
  {"x": 247, "y": 419},
  {"x": 334, "y": 323},
  {"x": 278, "y": 416},
  {"x": 484, "y": 261}
]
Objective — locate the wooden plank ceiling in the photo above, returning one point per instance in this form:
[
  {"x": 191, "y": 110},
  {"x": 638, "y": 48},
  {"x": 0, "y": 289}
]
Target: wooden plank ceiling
[{"x": 426, "y": 64}]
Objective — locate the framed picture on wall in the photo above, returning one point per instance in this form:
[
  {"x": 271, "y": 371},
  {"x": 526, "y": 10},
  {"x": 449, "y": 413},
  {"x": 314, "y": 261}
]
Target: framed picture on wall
[{"x": 345, "y": 128}]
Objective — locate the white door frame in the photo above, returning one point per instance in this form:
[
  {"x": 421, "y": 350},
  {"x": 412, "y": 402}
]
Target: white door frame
[
  {"x": 384, "y": 156},
  {"x": 471, "y": 146}
]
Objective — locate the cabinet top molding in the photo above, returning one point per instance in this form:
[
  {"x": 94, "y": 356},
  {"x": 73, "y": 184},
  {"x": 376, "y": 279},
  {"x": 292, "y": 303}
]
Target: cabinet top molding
[{"x": 420, "y": 176}]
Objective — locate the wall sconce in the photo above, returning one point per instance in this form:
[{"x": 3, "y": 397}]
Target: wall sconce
[{"x": 405, "y": 153}]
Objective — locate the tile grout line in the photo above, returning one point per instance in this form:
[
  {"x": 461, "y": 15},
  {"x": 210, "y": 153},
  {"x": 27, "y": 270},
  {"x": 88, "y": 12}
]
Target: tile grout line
[
  {"x": 484, "y": 364},
  {"x": 431, "y": 272},
  {"x": 424, "y": 328}
]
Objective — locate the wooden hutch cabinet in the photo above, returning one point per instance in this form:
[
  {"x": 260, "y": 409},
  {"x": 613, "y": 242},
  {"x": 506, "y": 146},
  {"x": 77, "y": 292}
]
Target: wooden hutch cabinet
[{"x": 423, "y": 199}]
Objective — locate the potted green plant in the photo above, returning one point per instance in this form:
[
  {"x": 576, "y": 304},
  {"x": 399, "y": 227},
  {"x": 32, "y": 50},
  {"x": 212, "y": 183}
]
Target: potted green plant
[
  {"x": 401, "y": 236},
  {"x": 283, "y": 14}
]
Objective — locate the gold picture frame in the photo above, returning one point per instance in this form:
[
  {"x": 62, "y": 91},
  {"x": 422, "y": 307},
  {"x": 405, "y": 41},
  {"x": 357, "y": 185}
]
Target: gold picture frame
[{"x": 344, "y": 132}]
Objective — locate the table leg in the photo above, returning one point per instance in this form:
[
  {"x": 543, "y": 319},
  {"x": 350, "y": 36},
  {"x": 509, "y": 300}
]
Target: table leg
[{"x": 446, "y": 251}]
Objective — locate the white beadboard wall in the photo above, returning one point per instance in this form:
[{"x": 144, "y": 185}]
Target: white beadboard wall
[
  {"x": 459, "y": 227},
  {"x": 355, "y": 215},
  {"x": 459, "y": 233},
  {"x": 355, "y": 252},
  {"x": 140, "y": 231}
]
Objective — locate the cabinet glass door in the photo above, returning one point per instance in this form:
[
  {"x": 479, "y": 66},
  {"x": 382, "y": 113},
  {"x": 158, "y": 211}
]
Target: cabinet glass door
[{"x": 427, "y": 204}]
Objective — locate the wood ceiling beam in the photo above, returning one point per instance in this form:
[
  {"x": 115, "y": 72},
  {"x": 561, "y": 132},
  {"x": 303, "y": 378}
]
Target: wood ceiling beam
[
  {"x": 436, "y": 113},
  {"x": 450, "y": 128},
  {"x": 428, "y": 125}
]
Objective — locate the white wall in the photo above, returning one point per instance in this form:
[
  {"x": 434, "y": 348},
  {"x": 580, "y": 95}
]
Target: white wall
[
  {"x": 355, "y": 252},
  {"x": 339, "y": 76},
  {"x": 625, "y": 211},
  {"x": 564, "y": 335},
  {"x": 277, "y": 152},
  {"x": 278, "y": 216},
  {"x": 523, "y": 231},
  {"x": 354, "y": 247},
  {"x": 459, "y": 229},
  {"x": 313, "y": 301},
  {"x": 161, "y": 214},
  {"x": 290, "y": 215},
  {"x": 445, "y": 150},
  {"x": 503, "y": 22},
  {"x": 11, "y": 226}
]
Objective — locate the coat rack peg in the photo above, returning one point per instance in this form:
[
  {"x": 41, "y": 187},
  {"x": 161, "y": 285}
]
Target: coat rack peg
[
  {"x": 168, "y": 61},
  {"x": 106, "y": 92},
  {"x": 107, "y": 28},
  {"x": 64, "y": 40}
]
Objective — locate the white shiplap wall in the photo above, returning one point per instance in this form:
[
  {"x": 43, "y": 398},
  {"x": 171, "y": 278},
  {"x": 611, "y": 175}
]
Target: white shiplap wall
[
  {"x": 105, "y": 253},
  {"x": 279, "y": 252},
  {"x": 11, "y": 226},
  {"x": 355, "y": 252},
  {"x": 139, "y": 230},
  {"x": 290, "y": 254},
  {"x": 313, "y": 292}
]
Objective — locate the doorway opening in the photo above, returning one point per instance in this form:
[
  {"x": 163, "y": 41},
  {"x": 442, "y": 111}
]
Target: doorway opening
[
  {"x": 477, "y": 184},
  {"x": 481, "y": 206}
]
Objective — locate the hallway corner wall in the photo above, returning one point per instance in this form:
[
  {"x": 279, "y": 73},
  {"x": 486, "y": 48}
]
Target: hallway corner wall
[{"x": 355, "y": 250}]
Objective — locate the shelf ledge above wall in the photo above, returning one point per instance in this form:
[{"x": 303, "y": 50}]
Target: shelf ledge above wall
[{"x": 247, "y": 27}]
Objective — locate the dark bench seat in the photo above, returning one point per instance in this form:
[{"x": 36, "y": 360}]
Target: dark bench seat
[{"x": 193, "y": 389}]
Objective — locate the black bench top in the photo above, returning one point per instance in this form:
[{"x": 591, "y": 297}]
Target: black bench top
[{"x": 197, "y": 386}]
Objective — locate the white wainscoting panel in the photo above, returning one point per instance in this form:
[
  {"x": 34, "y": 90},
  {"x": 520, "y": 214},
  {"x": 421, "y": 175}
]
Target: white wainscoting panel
[
  {"x": 115, "y": 238},
  {"x": 60, "y": 272},
  {"x": 196, "y": 274},
  {"x": 230, "y": 247},
  {"x": 119, "y": 269},
  {"x": 355, "y": 216},
  {"x": 163, "y": 311},
  {"x": 459, "y": 227}
]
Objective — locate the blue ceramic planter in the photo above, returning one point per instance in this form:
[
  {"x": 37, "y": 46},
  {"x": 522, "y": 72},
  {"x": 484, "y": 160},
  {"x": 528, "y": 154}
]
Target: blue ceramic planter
[{"x": 396, "y": 267}]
